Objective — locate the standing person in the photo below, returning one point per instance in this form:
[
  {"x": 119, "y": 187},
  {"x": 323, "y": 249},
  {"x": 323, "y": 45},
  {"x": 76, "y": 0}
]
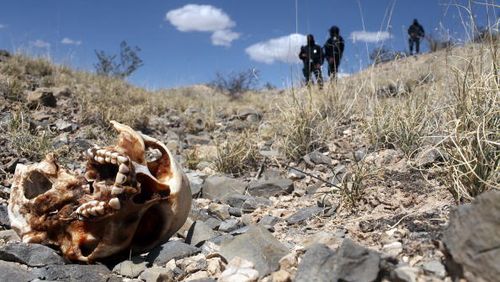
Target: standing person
[
  {"x": 312, "y": 57},
  {"x": 334, "y": 48},
  {"x": 415, "y": 32}
]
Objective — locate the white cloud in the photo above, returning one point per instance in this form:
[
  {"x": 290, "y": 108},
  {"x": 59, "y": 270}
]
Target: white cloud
[
  {"x": 204, "y": 18},
  {"x": 69, "y": 41},
  {"x": 369, "y": 36},
  {"x": 40, "y": 44},
  {"x": 224, "y": 37},
  {"x": 283, "y": 49}
]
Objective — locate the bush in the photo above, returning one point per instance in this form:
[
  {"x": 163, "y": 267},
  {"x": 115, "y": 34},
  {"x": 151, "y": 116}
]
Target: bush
[
  {"x": 236, "y": 83},
  {"x": 129, "y": 62}
]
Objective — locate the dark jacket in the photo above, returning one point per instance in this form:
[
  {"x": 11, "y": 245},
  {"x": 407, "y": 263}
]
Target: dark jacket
[
  {"x": 416, "y": 31},
  {"x": 334, "y": 48},
  {"x": 311, "y": 54}
]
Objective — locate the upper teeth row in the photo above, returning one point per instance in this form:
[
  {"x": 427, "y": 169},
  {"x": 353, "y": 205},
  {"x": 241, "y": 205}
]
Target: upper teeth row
[
  {"x": 97, "y": 208},
  {"x": 103, "y": 156}
]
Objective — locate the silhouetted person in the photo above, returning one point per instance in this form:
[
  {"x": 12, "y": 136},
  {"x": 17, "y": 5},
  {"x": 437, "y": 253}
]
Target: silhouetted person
[
  {"x": 415, "y": 33},
  {"x": 312, "y": 57},
  {"x": 333, "y": 49}
]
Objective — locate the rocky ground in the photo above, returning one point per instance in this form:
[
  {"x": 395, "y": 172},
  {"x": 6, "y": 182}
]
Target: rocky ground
[{"x": 286, "y": 221}]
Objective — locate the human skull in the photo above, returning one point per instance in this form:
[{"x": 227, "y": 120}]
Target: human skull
[{"x": 125, "y": 202}]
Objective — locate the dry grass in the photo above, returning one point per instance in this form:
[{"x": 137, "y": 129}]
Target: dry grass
[{"x": 237, "y": 154}]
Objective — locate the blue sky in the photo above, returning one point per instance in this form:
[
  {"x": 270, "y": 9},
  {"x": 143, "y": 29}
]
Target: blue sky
[{"x": 186, "y": 42}]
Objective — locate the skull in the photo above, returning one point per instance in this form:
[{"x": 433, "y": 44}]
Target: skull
[{"x": 124, "y": 202}]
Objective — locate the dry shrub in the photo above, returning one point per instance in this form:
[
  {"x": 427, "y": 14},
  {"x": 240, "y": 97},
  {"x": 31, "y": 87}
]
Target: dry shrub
[{"x": 237, "y": 154}]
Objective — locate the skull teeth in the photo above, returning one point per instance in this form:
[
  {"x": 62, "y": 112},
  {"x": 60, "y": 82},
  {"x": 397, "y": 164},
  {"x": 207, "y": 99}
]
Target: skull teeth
[
  {"x": 92, "y": 208},
  {"x": 116, "y": 191},
  {"x": 114, "y": 203},
  {"x": 122, "y": 159},
  {"x": 120, "y": 178},
  {"x": 124, "y": 169}
]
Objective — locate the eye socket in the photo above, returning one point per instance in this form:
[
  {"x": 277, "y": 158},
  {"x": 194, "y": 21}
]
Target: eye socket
[{"x": 36, "y": 184}]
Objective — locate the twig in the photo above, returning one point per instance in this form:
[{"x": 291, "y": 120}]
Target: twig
[{"x": 337, "y": 188}]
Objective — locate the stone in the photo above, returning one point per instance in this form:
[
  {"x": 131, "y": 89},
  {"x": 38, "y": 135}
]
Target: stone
[
  {"x": 195, "y": 182},
  {"x": 322, "y": 237},
  {"x": 218, "y": 210},
  {"x": 404, "y": 274},
  {"x": 193, "y": 264},
  {"x": 4, "y": 217},
  {"x": 471, "y": 237},
  {"x": 393, "y": 249},
  {"x": 193, "y": 140},
  {"x": 74, "y": 272},
  {"x": 157, "y": 274},
  {"x": 427, "y": 156},
  {"x": 241, "y": 270},
  {"x": 213, "y": 223},
  {"x": 436, "y": 267},
  {"x": 272, "y": 187},
  {"x": 281, "y": 276},
  {"x": 295, "y": 174},
  {"x": 10, "y": 271},
  {"x": 215, "y": 266},
  {"x": 229, "y": 225},
  {"x": 9, "y": 235},
  {"x": 317, "y": 158},
  {"x": 246, "y": 203},
  {"x": 351, "y": 262},
  {"x": 64, "y": 126},
  {"x": 171, "y": 250},
  {"x": 199, "y": 233},
  {"x": 220, "y": 187},
  {"x": 131, "y": 268},
  {"x": 304, "y": 214},
  {"x": 29, "y": 254},
  {"x": 258, "y": 246},
  {"x": 269, "y": 220},
  {"x": 41, "y": 97}
]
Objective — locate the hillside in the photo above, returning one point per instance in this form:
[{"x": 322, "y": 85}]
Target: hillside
[{"x": 371, "y": 166}]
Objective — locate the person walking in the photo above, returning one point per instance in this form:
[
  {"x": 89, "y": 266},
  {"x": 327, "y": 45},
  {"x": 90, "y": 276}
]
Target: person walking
[
  {"x": 333, "y": 50},
  {"x": 415, "y": 33},
  {"x": 312, "y": 57}
]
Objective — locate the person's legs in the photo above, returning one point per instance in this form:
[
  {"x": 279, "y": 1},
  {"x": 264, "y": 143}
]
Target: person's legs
[
  {"x": 307, "y": 74},
  {"x": 410, "y": 43},
  {"x": 319, "y": 77},
  {"x": 417, "y": 45}
]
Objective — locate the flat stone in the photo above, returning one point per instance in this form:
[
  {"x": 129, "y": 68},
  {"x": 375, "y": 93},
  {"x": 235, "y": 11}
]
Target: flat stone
[
  {"x": 195, "y": 183},
  {"x": 229, "y": 225},
  {"x": 220, "y": 187},
  {"x": 404, "y": 274},
  {"x": 213, "y": 223},
  {"x": 427, "y": 156},
  {"x": 326, "y": 238},
  {"x": 155, "y": 274},
  {"x": 435, "y": 267},
  {"x": 10, "y": 271},
  {"x": 197, "y": 140},
  {"x": 63, "y": 125},
  {"x": 29, "y": 254},
  {"x": 9, "y": 235},
  {"x": 271, "y": 187},
  {"x": 304, "y": 214},
  {"x": 171, "y": 250},
  {"x": 472, "y": 238},
  {"x": 199, "y": 233},
  {"x": 240, "y": 269},
  {"x": 393, "y": 249},
  {"x": 258, "y": 246},
  {"x": 317, "y": 158},
  {"x": 351, "y": 262},
  {"x": 269, "y": 220},
  {"x": 131, "y": 268},
  {"x": 74, "y": 272}
]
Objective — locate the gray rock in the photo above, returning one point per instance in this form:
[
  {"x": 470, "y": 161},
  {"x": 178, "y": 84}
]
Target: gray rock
[
  {"x": 63, "y": 125},
  {"x": 213, "y": 223},
  {"x": 219, "y": 187},
  {"x": 317, "y": 158},
  {"x": 41, "y": 97},
  {"x": 195, "y": 182},
  {"x": 73, "y": 272},
  {"x": 9, "y": 235},
  {"x": 4, "y": 217},
  {"x": 295, "y": 174},
  {"x": 471, "y": 237},
  {"x": 29, "y": 254},
  {"x": 359, "y": 154},
  {"x": 229, "y": 225},
  {"x": 258, "y": 246},
  {"x": 304, "y": 214},
  {"x": 199, "y": 233},
  {"x": 240, "y": 231},
  {"x": 271, "y": 187},
  {"x": 171, "y": 250},
  {"x": 192, "y": 140},
  {"x": 156, "y": 274},
  {"x": 436, "y": 267},
  {"x": 350, "y": 262},
  {"x": 427, "y": 156},
  {"x": 404, "y": 274},
  {"x": 269, "y": 220},
  {"x": 235, "y": 212},
  {"x": 131, "y": 268},
  {"x": 10, "y": 271}
]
